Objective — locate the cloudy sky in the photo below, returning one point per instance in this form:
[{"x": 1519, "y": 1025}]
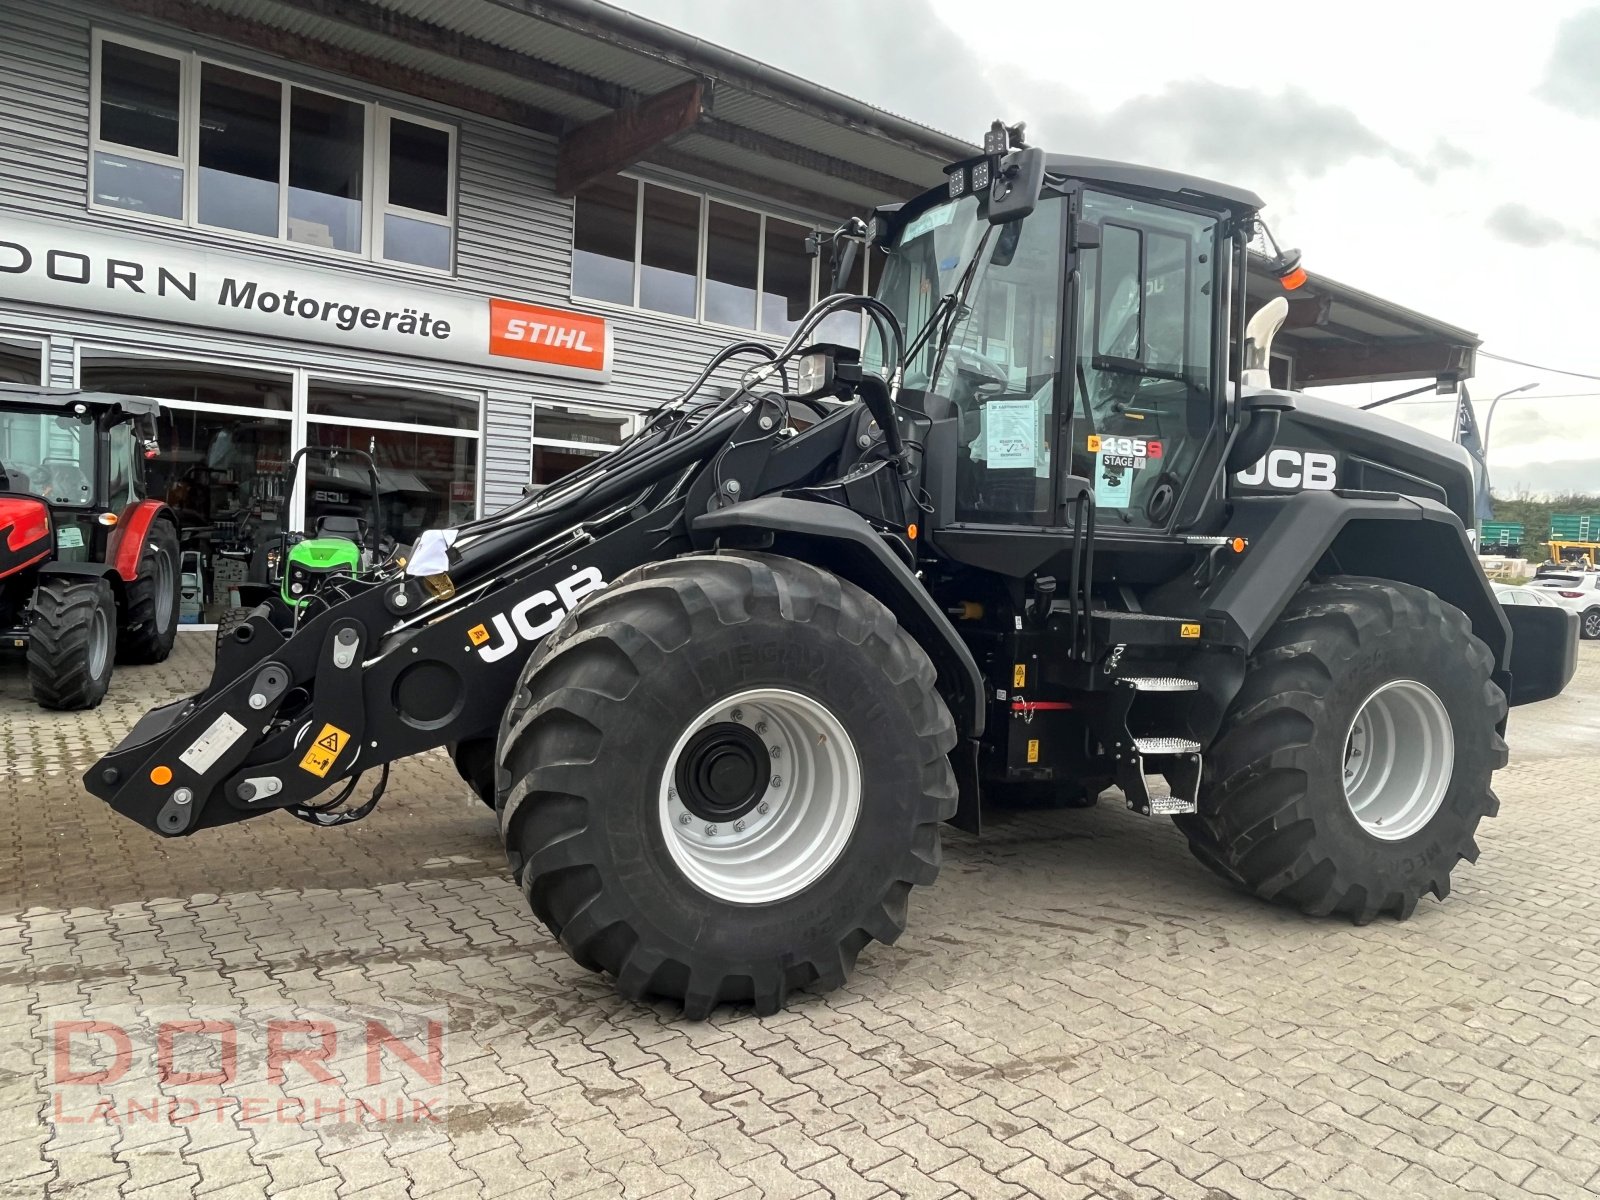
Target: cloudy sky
[{"x": 1449, "y": 163}]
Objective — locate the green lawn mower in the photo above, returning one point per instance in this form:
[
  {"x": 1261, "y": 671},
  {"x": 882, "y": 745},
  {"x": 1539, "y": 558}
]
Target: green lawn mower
[{"x": 288, "y": 568}]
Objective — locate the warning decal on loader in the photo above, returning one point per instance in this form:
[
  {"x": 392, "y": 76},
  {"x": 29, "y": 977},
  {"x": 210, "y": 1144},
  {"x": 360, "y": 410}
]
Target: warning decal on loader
[
  {"x": 324, "y": 752},
  {"x": 1019, "y": 675},
  {"x": 478, "y": 635}
]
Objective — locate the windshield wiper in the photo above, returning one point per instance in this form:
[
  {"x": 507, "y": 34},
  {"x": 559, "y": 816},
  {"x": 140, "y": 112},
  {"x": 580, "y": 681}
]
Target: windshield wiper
[{"x": 1132, "y": 366}]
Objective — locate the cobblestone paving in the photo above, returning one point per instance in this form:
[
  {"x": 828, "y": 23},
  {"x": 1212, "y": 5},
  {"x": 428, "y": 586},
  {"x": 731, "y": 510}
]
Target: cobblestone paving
[{"x": 1078, "y": 1008}]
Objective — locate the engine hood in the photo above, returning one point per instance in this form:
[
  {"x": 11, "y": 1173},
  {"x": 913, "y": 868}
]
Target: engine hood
[{"x": 1323, "y": 445}]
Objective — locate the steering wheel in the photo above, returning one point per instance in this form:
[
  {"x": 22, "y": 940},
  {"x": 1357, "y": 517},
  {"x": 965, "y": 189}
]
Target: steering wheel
[{"x": 67, "y": 482}]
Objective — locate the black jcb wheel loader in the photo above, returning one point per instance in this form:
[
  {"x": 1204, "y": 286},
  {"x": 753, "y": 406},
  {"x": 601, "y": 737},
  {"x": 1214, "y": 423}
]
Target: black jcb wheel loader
[{"x": 1049, "y": 529}]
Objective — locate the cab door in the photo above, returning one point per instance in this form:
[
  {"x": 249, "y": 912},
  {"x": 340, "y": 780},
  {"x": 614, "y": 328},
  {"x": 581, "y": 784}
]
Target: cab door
[{"x": 1145, "y": 376}]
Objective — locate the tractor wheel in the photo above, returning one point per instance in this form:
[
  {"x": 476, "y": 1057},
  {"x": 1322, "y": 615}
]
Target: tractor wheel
[
  {"x": 72, "y": 641},
  {"x": 1589, "y": 624},
  {"x": 150, "y": 614},
  {"x": 1353, "y": 768},
  {"x": 231, "y": 619},
  {"x": 722, "y": 776},
  {"x": 474, "y": 762}
]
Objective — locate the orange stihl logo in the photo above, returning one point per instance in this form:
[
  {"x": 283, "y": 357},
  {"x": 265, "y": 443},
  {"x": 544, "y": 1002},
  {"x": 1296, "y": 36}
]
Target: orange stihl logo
[{"x": 549, "y": 335}]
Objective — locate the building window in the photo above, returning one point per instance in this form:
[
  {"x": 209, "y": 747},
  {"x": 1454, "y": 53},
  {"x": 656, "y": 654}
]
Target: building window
[
  {"x": 183, "y": 138},
  {"x": 424, "y": 445},
  {"x": 21, "y": 361},
  {"x": 670, "y": 251},
  {"x": 223, "y": 442},
  {"x": 566, "y": 438},
  {"x": 417, "y": 216}
]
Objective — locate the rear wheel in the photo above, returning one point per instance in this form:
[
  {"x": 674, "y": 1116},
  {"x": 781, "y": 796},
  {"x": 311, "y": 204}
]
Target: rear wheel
[
  {"x": 1589, "y": 624},
  {"x": 150, "y": 615},
  {"x": 1353, "y": 768},
  {"x": 72, "y": 640},
  {"x": 721, "y": 778}
]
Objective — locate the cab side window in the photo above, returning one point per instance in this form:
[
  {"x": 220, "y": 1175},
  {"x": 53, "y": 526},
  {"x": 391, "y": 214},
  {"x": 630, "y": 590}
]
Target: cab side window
[{"x": 125, "y": 468}]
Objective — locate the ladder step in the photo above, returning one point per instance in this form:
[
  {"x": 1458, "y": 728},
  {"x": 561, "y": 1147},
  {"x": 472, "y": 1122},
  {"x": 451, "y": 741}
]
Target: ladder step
[
  {"x": 1165, "y": 745},
  {"x": 1170, "y": 806},
  {"x": 1161, "y": 683}
]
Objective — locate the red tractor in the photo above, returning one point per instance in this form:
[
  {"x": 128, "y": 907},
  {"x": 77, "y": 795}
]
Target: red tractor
[{"x": 88, "y": 563}]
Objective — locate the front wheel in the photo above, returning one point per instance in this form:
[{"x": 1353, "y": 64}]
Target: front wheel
[
  {"x": 721, "y": 778},
  {"x": 1352, "y": 770},
  {"x": 72, "y": 641}
]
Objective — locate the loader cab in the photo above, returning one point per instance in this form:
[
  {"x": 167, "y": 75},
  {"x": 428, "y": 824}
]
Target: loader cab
[{"x": 1084, "y": 344}]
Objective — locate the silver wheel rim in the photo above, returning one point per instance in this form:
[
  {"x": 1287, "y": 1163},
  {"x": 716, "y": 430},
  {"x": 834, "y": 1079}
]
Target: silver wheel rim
[
  {"x": 799, "y": 817},
  {"x": 99, "y": 642},
  {"x": 1591, "y": 624},
  {"x": 164, "y": 589},
  {"x": 1398, "y": 760}
]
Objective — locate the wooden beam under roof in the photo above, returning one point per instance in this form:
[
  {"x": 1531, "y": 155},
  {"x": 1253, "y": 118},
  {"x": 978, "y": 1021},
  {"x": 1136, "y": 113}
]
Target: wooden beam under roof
[{"x": 621, "y": 138}]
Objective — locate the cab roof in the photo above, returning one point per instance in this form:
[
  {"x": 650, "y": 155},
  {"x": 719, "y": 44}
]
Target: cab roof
[
  {"x": 17, "y": 395},
  {"x": 1154, "y": 179}
]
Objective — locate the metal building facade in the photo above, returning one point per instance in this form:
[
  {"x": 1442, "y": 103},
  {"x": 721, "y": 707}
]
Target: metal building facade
[{"x": 513, "y": 239}]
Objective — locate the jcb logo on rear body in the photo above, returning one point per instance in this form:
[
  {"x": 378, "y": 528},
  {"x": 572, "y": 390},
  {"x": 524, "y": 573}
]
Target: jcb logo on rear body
[
  {"x": 534, "y": 617},
  {"x": 1294, "y": 470}
]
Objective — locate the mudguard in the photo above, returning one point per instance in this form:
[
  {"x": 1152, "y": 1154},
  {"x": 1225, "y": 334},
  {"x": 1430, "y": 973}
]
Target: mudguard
[
  {"x": 127, "y": 539},
  {"x": 1404, "y": 538},
  {"x": 841, "y": 541},
  {"x": 89, "y": 570}
]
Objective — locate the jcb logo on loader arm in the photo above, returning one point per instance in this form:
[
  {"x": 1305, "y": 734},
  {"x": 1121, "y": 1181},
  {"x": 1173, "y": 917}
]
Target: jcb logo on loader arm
[{"x": 534, "y": 617}]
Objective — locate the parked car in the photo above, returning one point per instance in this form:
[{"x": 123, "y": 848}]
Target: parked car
[
  {"x": 1515, "y": 594},
  {"x": 1576, "y": 591}
]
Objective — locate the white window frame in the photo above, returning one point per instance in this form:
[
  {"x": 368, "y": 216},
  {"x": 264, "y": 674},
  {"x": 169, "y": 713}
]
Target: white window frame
[
  {"x": 305, "y": 417},
  {"x": 705, "y": 200},
  {"x": 380, "y": 122},
  {"x": 630, "y": 426},
  {"x": 375, "y": 160},
  {"x": 17, "y": 337},
  {"x": 98, "y": 147}
]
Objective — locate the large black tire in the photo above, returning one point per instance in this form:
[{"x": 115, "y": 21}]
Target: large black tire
[
  {"x": 583, "y": 757},
  {"x": 1273, "y": 816},
  {"x": 72, "y": 641},
  {"x": 231, "y": 619},
  {"x": 150, "y": 609}
]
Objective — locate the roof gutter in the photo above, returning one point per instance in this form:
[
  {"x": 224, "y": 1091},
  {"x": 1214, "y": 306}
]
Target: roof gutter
[{"x": 639, "y": 35}]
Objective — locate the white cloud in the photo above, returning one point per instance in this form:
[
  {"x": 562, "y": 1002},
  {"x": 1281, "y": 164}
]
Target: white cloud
[{"x": 1444, "y": 161}]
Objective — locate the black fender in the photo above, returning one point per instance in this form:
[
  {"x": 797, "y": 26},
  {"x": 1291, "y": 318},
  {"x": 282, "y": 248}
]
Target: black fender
[
  {"x": 1382, "y": 534},
  {"x": 90, "y": 570},
  {"x": 839, "y": 540}
]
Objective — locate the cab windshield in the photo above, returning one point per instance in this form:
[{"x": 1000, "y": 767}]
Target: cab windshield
[
  {"x": 981, "y": 308},
  {"x": 47, "y": 453}
]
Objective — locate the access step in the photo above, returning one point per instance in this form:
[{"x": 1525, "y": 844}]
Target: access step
[
  {"x": 1175, "y": 759},
  {"x": 1160, "y": 683}
]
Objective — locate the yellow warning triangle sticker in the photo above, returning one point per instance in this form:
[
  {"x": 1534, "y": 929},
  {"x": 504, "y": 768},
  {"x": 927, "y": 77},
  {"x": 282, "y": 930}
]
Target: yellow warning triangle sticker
[{"x": 331, "y": 742}]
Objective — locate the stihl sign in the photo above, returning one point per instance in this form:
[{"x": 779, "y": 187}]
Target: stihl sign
[{"x": 547, "y": 335}]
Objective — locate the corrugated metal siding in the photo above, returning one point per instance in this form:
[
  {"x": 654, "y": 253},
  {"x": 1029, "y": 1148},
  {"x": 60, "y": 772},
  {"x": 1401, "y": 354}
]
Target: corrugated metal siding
[{"x": 514, "y": 238}]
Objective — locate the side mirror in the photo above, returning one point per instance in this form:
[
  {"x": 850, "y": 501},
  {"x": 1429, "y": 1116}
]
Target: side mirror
[
  {"x": 844, "y": 262},
  {"x": 1018, "y": 180}
]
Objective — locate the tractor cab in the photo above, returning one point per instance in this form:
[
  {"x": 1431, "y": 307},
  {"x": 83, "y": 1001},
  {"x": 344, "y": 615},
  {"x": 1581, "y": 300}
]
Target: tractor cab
[{"x": 1077, "y": 344}]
